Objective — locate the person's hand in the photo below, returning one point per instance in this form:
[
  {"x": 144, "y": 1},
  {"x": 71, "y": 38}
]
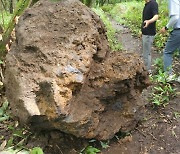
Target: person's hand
[
  {"x": 146, "y": 23},
  {"x": 163, "y": 30}
]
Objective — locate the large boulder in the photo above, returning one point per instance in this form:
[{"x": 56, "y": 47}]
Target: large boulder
[{"x": 61, "y": 74}]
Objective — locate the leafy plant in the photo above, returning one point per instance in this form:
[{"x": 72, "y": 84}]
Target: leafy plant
[
  {"x": 17, "y": 141},
  {"x": 18, "y": 138},
  {"x": 90, "y": 150},
  {"x": 3, "y": 115},
  {"x": 163, "y": 90},
  {"x": 17, "y": 151},
  {"x": 177, "y": 53},
  {"x": 107, "y": 8},
  {"x": 177, "y": 114},
  {"x": 8, "y": 28},
  {"x": 36, "y": 150},
  {"x": 104, "y": 145},
  {"x": 158, "y": 64}
]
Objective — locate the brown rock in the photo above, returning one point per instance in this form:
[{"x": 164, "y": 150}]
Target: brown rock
[{"x": 60, "y": 73}]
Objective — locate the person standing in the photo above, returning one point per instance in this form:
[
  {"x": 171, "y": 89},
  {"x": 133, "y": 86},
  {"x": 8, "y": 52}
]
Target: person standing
[
  {"x": 173, "y": 41},
  {"x": 148, "y": 28}
]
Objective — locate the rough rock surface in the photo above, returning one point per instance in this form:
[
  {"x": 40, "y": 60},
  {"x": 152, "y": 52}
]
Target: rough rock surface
[{"x": 60, "y": 73}]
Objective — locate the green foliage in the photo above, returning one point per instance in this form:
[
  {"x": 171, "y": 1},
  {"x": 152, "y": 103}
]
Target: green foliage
[
  {"x": 3, "y": 115},
  {"x": 17, "y": 141},
  {"x": 9, "y": 23},
  {"x": 106, "y": 2},
  {"x": 90, "y": 3},
  {"x": 93, "y": 150},
  {"x": 162, "y": 21},
  {"x": 158, "y": 65},
  {"x": 163, "y": 90},
  {"x": 1, "y": 62},
  {"x": 107, "y": 8},
  {"x": 104, "y": 145},
  {"x": 36, "y": 150},
  {"x": 177, "y": 53},
  {"x": 5, "y": 17},
  {"x": 130, "y": 14},
  {"x": 90, "y": 150},
  {"x": 177, "y": 114},
  {"x": 11, "y": 151},
  {"x": 18, "y": 138},
  {"x": 113, "y": 42}
]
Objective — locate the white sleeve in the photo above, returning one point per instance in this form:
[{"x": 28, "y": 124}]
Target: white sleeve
[
  {"x": 173, "y": 20},
  {"x": 173, "y": 7}
]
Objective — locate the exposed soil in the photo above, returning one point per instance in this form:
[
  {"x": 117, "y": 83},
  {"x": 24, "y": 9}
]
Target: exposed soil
[
  {"x": 159, "y": 131},
  {"x": 156, "y": 133}
]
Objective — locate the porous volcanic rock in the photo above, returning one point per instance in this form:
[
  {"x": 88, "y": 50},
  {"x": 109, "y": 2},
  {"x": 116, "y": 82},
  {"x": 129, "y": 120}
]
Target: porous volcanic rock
[{"x": 61, "y": 74}]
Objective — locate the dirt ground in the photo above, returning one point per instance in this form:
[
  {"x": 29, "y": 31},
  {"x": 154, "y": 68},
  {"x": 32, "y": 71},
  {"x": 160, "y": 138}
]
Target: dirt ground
[
  {"x": 157, "y": 133},
  {"x": 159, "y": 130}
]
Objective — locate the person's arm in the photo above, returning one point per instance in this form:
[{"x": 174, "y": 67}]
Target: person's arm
[
  {"x": 153, "y": 19},
  {"x": 173, "y": 20},
  {"x": 154, "y": 10},
  {"x": 173, "y": 14}
]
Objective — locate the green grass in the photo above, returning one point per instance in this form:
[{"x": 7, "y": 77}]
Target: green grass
[
  {"x": 163, "y": 89},
  {"x": 130, "y": 14},
  {"x": 5, "y": 18},
  {"x": 113, "y": 42}
]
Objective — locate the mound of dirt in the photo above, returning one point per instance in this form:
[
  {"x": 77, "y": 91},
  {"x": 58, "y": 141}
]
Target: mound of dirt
[{"x": 61, "y": 74}]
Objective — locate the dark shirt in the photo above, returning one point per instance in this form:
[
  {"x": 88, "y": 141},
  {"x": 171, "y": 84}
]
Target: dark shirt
[{"x": 150, "y": 9}]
